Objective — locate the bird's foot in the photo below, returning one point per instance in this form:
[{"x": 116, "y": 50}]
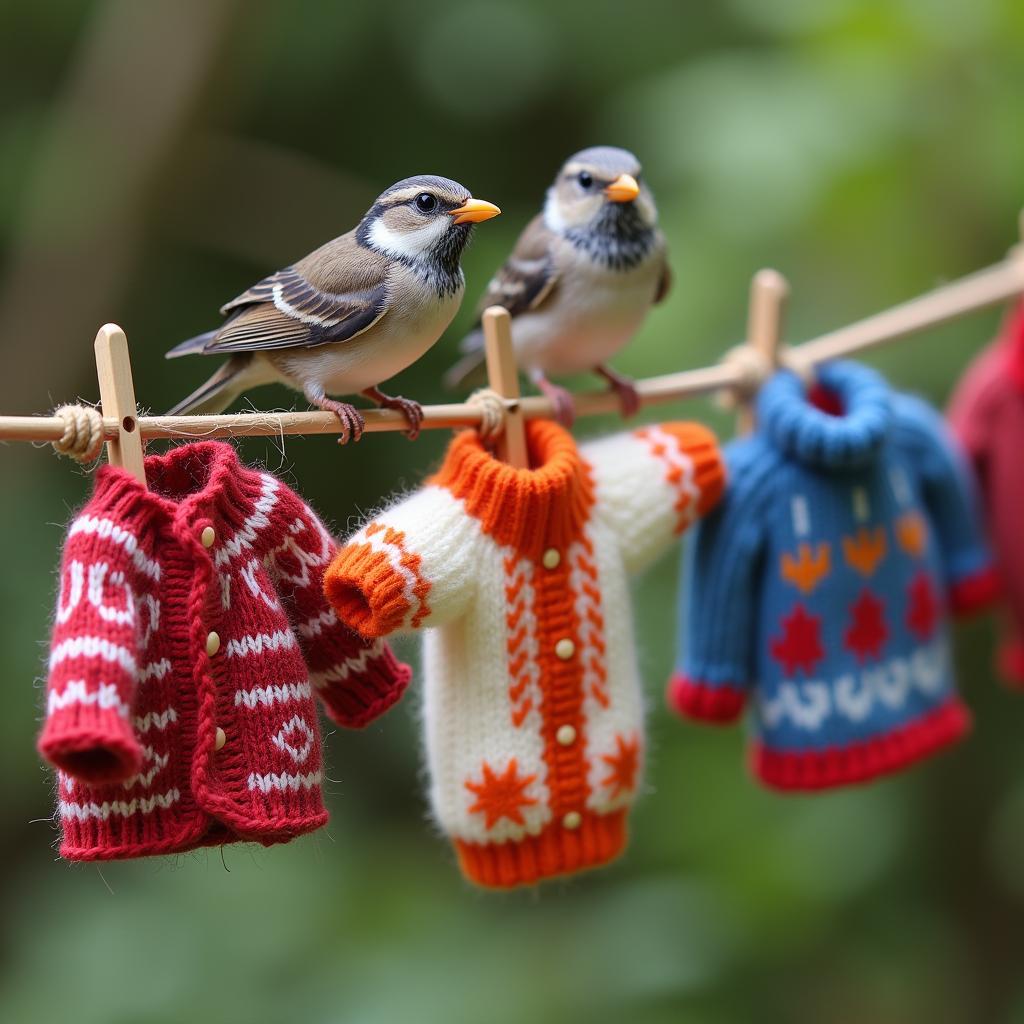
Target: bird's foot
[
  {"x": 411, "y": 410},
  {"x": 565, "y": 409},
  {"x": 624, "y": 387},
  {"x": 350, "y": 418}
]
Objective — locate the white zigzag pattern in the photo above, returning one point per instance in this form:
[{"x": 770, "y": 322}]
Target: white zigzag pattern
[
  {"x": 154, "y": 670},
  {"x": 316, "y": 625},
  {"x": 340, "y": 672},
  {"x": 284, "y": 782},
  {"x": 93, "y": 647},
  {"x": 853, "y": 696},
  {"x": 255, "y": 522},
  {"x": 266, "y": 696},
  {"x": 76, "y": 691},
  {"x": 159, "y": 762},
  {"x": 109, "y": 530},
  {"x": 118, "y": 808},
  {"x": 157, "y": 719},
  {"x": 255, "y": 643}
]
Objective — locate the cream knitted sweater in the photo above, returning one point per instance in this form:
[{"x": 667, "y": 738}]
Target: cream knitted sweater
[{"x": 533, "y": 705}]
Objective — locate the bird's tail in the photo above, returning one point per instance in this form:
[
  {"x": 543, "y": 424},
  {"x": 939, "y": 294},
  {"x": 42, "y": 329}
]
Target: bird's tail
[
  {"x": 193, "y": 345},
  {"x": 468, "y": 372},
  {"x": 218, "y": 392}
]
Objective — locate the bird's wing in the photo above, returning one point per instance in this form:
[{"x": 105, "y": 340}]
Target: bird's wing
[
  {"x": 286, "y": 310},
  {"x": 528, "y": 277},
  {"x": 664, "y": 282}
]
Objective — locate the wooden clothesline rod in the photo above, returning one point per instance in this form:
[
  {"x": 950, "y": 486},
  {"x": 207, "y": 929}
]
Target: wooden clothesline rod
[{"x": 993, "y": 285}]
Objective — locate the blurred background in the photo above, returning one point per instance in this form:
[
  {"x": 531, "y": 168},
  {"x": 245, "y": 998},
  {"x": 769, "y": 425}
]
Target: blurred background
[{"x": 158, "y": 157}]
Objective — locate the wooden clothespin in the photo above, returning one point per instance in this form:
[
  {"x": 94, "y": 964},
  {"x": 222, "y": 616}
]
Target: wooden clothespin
[
  {"x": 503, "y": 378},
  {"x": 768, "y": 293},
  {"x": 117, "y": 400}
]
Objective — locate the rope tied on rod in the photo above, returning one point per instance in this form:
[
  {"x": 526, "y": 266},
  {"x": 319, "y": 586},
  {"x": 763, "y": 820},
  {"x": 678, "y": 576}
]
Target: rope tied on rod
[
  {"x": 492, "y": 412},
  {"x": 82, "y": 438}
]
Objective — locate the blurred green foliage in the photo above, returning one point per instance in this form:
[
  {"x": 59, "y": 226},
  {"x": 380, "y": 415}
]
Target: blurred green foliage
[{"x": 156, "y": 158}]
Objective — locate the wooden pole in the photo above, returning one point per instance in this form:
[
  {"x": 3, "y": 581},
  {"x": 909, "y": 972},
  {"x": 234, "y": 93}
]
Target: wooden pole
[
  {"x": 117, "y": 400},
  {"x": 768, "y": 293},
  {"x": 503, "y": 377}
]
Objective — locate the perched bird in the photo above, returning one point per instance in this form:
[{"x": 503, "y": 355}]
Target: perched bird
[
  {"x": 580, "y": 279},
  {"x": 354, "y": 312}
]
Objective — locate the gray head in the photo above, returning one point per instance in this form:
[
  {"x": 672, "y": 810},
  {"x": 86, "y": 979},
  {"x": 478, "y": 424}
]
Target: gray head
[
  {"x": 423, "y": 220},
  {"x": 600, "y": 188}
]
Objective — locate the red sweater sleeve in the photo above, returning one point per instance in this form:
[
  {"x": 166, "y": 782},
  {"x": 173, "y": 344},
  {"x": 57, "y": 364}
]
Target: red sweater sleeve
[
  {"x": 357, "y": 679},
  {"x": 88, "y": 729}
]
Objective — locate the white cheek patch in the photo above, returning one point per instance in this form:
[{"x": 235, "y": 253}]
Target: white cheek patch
[
  {"x": 407, "y": 244},
  {"x": 553, "y": 218}
]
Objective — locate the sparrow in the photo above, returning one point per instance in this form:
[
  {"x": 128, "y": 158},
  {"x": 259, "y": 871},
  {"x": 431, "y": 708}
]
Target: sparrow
[
  {"x": 354, "y": 312},
  {"x": 580, "y": 279}
]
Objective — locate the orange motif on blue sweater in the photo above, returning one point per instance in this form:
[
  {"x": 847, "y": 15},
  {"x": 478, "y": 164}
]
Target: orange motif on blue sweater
[
  {"x": 806, "y": 571},
  {"x": 864, "y": 551},
  {"x": 912, "y": 533}
]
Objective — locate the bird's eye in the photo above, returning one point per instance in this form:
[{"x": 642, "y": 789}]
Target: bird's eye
[
  {"x": 586, "y": 179},
  {"x": 426, "y": 203}
]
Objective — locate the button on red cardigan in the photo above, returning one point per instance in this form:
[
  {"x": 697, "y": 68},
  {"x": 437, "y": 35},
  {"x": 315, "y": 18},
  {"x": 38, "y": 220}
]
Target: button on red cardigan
[{"x": 191, "y": 634}]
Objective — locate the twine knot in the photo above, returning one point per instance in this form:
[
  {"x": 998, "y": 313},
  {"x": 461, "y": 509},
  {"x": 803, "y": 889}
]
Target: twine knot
[
  {"x": 82, "y": 438},
  {"x": 752, "y": 369},
  {"x": 492, "y": 409}
]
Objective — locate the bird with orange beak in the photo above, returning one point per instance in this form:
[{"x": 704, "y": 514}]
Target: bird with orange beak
[
  {"x": 581, "y": 278},
  {"x": 354, "y": 312}
]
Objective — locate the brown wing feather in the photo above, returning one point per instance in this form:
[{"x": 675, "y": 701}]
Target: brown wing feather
[
  {"x": 528, "y": 277},
  {"x": 664, "y": 282},
  {"x": 287, "y": 310}
]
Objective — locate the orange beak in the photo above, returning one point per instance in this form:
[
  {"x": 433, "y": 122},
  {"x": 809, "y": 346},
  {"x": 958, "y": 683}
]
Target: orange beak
[
  {"x": 623, "y": 189},
  {"x": 473, "y": 211}
]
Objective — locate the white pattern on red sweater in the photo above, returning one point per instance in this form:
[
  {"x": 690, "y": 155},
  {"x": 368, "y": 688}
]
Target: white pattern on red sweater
[
  {"x": 533, "y": 707},
  {"x": 193, "y": 607}
]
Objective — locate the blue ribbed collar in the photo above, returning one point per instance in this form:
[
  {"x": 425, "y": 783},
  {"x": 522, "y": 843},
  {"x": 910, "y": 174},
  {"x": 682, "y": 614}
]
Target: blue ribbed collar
[{"x": 791, "y": 423}]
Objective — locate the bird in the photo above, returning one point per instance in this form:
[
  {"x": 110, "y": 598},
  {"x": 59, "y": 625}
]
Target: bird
[
  {"x": 580, "y": 279},
  {"x": 352, "y": 313}
]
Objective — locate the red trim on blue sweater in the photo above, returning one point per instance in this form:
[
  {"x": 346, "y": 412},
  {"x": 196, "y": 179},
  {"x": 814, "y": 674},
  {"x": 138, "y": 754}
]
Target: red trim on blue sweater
[
  {"x": 811, "y": 770},
  {"x": 704, "y": 701},
  {"x": 974, "y": 593}
]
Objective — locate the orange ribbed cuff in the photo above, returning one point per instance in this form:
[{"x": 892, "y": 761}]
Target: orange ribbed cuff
[
  {"x": 701, "y": 446},
  {"x": 555, "y": 850},
  {"x": 365, "y": 591}
]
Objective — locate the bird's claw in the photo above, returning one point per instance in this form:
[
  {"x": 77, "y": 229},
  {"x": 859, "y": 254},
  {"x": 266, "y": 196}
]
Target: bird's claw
[
  {"x": 625, "y": 388},
  {"x": 410, "y": 409},
  {"x": 351, "y": 420},
  {"x": 561, "y": 399}
]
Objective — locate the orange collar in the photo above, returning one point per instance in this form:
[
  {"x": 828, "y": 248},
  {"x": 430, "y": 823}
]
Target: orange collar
[{"x": 527, "y": 509}]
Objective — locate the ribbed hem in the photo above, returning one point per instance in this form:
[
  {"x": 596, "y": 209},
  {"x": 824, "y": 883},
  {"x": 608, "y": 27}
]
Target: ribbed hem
[
  {"x": 94, "y": 745},
  {"x": 842, "y": 766},
  {"x": 974, "y": 593},
  {"x": 365, "y": 591},
  {"x": 718, "y": 703},
  {"x": 367, "y": 694},
  {"x": 701, "y": 447},
  {"x": 554, "y": 851}
]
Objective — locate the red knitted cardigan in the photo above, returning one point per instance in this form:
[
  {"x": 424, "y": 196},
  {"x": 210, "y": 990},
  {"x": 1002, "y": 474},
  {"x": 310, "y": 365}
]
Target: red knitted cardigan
[{"x": 191, "y": 632}]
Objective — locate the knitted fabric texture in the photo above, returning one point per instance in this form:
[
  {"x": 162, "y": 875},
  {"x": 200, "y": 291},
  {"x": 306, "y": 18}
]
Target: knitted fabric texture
[
  {"x": 822, "y": 583},
  {"x": 533, "y": 708},
  {"x": 987, "y": 414},
  {"x": 191, "y": 612}
]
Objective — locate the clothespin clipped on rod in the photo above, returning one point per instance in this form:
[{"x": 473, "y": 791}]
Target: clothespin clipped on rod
[
  {"x": 117, "y": 400},
  {"x": 768, "y": 293},
  {"x": 503, "y": 378}
]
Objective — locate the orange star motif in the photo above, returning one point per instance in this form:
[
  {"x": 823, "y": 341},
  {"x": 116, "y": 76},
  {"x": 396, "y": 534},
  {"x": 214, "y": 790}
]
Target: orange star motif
[
  {"x": 624, "y": 764},
  {"x": 501, "y": 796}
]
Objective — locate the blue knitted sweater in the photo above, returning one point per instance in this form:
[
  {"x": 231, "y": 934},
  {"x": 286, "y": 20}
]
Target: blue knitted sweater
[{"x": 821, "y": 583}]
